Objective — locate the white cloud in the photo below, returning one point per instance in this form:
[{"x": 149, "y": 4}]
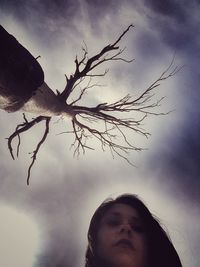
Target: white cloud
[{"x": 20, "y": 238}]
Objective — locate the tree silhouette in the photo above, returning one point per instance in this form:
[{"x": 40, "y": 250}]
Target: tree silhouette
[{"x": 22, "y": 88}]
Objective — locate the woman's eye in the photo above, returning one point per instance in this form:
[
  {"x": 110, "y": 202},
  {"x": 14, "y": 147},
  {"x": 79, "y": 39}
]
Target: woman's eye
[
  {"x": 137, "y": 228},
  {"x": 113, "y": 222}
]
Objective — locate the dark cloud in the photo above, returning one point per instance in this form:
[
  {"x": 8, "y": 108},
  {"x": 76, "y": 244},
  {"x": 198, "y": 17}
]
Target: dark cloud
[
  {"x": 58, "y": 13},
  {"x": 55, "y": 9},
  {"x": 171, "y": 8},
  {"x": 149, "y": 46},
  {"x": 98, "y": 9},
  {"x": 103, "y": 6},
  {"x": 44, "y": 20},
  {"x": 177, "y": 22},
  {"x": 179, "y": 159}
]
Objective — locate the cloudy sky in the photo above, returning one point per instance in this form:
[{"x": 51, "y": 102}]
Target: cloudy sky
[{"x": 45, "y": 224}]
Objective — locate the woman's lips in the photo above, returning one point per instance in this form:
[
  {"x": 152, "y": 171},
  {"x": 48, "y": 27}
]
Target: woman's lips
[{"x": 124, "y": 243}]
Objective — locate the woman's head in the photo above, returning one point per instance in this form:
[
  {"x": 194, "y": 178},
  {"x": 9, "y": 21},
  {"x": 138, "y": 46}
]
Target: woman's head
[{"x": 123, "y": 232}]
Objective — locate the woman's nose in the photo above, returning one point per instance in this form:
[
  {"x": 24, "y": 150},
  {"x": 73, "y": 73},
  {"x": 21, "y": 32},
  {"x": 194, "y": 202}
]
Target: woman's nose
[{"x": 125, "y": 228}]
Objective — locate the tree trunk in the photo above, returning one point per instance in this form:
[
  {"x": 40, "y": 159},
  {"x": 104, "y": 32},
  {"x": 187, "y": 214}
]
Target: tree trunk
[
  {"x": 20, "y": 73},
  {"x": 45, "y": 103}
]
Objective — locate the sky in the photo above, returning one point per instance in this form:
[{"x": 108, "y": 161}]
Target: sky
[{"x": 52, "y": 214}]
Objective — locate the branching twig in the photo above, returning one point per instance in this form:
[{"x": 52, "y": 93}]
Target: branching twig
[
  {"x": 23, "y": 127},
  {"x": 92, "y": 63},
  {"x": 20, "y": 129},
  {"x": 142, "y": 106},
  {"x": 35, "y": 152}
]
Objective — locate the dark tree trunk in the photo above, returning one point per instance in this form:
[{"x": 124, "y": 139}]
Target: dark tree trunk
[{"x": 20, "y": 73}]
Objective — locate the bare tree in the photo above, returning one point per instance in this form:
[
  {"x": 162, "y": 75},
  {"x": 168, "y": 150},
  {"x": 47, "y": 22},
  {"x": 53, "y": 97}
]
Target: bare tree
[{"x": 105, "y": 122}]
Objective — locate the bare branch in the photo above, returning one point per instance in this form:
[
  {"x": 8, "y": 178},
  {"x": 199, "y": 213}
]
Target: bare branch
[
  {"x": 23, "y": 127},
  {"x": 35, "y": 152},
  {"x": 113, "y": 134},
  {"x": 98, "y": 75},
  {"x": 92, "y": 63},
  {"x": 83, "y": 91},
  {"x": 120, "y": 37},
  {"x": 20, "y": 129}
]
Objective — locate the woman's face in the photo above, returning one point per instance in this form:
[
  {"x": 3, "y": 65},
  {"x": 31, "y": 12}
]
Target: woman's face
[{"x": 121, "y": 240}]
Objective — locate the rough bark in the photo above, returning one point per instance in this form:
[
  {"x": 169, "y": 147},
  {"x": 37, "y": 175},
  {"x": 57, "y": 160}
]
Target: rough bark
[{"x": 20, "y": 73}]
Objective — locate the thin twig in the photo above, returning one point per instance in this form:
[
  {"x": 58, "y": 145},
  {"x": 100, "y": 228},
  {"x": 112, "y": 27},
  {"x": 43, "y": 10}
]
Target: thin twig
[{"x": 35, "y": 152}]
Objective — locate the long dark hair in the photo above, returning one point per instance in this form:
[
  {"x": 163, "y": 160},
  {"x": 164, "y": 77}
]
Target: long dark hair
[{"x": 160, "y": 248}]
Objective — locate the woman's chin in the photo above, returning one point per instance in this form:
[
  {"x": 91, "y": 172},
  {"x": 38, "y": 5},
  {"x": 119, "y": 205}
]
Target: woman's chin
[{"x": 124, "y": 260}]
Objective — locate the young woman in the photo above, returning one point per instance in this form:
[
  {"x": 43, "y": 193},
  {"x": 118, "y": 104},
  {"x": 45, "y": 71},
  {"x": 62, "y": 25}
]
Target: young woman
[{"x": 123, "y": 233}]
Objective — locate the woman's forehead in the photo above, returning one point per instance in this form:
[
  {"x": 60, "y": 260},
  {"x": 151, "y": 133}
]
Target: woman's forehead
[{"x": 120, "y": 209}]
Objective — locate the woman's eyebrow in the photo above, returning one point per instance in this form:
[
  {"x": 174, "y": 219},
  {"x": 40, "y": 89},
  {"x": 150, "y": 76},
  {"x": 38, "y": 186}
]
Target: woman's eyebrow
[
  {"x": 118, "y": 214},
  {"x": 111, "y": 215}
]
